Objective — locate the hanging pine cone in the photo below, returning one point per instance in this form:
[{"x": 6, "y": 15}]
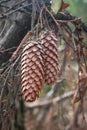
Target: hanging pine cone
[
  {"x": 32, "y": 74},
  {"x": 51, "y": 69}
]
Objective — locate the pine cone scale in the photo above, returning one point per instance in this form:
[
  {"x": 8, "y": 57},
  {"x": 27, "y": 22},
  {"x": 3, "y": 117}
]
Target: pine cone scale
[
  {"x": 32, "y": 72},
  {"x": 49, "y": 43},
  {"x": 39, "y": 65}
]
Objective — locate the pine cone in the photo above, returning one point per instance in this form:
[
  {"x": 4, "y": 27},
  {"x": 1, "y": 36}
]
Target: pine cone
[
  {"x": 32, "y": 74},
  {"x": 51, "y": 69}
]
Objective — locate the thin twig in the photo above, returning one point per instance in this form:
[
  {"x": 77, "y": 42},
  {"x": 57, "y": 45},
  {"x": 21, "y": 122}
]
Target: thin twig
[
  {"x": 48, "y": 102},
  {"x": 53, "y": 19},
  {"x": 40, "y": 16},
  {"x": 3, "y": 28},
  {"x": 20, "y": 45},
  {"x": 33, "y": 14},
  {"x": 66, "y": 21},
  {"x": 5, "y": 15},
  {"x": 17, "y": 4}
]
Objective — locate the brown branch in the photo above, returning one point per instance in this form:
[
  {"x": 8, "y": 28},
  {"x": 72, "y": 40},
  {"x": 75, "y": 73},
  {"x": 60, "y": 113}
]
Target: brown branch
[{"x": 66, "y": 21}]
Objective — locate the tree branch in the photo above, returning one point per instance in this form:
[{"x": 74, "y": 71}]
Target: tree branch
[{"x": 48, "y": 102}]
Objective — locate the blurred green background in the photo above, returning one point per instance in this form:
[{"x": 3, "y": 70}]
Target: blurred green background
[{"x": 77, "y": 7}]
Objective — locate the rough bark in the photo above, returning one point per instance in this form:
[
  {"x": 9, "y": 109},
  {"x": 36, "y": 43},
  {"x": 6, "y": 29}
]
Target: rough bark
[{"x": 14, "y": 35}]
